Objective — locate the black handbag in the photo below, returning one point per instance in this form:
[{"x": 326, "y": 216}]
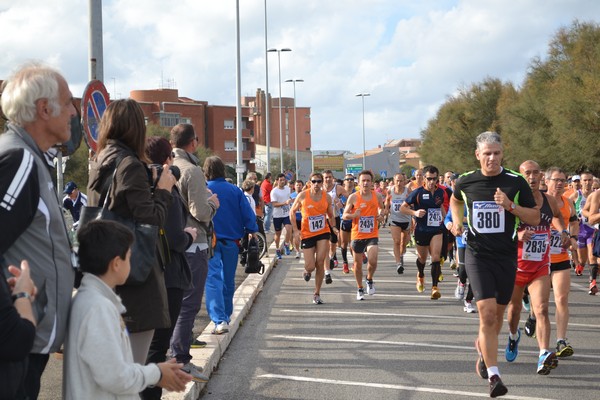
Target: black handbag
[{"x": 144, "y": 249}]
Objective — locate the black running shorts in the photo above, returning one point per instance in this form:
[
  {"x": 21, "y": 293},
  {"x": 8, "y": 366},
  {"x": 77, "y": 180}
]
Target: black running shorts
[{"x": 491, "y": 277}]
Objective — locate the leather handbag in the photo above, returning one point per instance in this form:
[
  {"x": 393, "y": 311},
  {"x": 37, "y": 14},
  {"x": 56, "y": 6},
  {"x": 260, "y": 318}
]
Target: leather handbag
[{"x": 144, "y": 249}]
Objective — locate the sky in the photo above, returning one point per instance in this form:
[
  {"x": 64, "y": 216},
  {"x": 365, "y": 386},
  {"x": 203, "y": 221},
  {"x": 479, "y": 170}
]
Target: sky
[{"x": 409, "y": 55}]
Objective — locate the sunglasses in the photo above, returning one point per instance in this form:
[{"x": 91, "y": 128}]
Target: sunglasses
[
  {"x": 316, "y": 181},
  {"x": 432, "y": 178},
  {"x": 349, "y": 179}
]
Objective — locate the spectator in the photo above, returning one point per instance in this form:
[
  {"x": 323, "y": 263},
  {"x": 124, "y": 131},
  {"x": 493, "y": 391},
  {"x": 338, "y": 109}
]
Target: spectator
[
  {"x": 177, "y": 272},
  {"x": 98, "y": 360},
  {"x": 265, "y": 187},
  {"x": 74, "y": 200},
  {"x": 39, "y": 106},
  {"x": 201, "y": 207},
  {"x": 122, "y": 142},
  {"x": 233, "y": 219},
  {"x": 17, "y": 329}
]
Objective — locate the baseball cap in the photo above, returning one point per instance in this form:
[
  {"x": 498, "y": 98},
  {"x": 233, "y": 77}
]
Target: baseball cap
[
  {"x": 69, "y": 187},
  {"x": 575, "y": 178}
]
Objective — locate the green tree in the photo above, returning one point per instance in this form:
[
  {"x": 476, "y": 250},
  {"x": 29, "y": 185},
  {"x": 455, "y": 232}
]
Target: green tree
[{"x": 289, "y": 163}]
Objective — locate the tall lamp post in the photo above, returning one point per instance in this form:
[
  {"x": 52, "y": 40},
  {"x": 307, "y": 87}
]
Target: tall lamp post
[
  {"x": 295, "y": 125},
  {"x": 363, "y": 95},
  {"x": 267, "y": 104},
  {"x": 280, "y": 125}
]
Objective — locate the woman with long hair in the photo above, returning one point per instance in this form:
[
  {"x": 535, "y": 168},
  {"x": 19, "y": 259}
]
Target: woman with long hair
[{"x": 137, "y": 193}]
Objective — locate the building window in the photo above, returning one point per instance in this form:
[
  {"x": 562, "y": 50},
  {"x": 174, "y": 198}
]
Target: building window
[
  {"x": 228, "y": 124},
  {"x": 169, "y": 119},
  {"x": 185, "y": 120},
  {"x": 230, "y": 145}
]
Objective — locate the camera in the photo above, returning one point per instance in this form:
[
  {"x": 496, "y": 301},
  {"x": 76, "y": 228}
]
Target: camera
[{"x": 159, "y": 169}]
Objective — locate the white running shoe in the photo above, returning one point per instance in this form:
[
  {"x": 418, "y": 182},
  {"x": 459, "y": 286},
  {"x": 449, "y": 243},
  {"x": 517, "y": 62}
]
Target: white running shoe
[
  {"x": 468, "y": 308},
  {"x": 459, "y": 292},
  {"x": 370, "y": 288},
  {"x": 360, "y": 294}
]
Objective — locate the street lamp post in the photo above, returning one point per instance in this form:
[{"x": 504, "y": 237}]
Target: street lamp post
[
  {"x": 363, "y": 95},
  {"x": 267, "y": 104},
  {"x": 280, "y": 125},
  {"x": 295, "y": 125}
]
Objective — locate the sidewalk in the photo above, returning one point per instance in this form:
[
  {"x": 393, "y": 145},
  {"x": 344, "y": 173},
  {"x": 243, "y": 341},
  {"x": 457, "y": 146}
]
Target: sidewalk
[{"x": 208, "y": 357}]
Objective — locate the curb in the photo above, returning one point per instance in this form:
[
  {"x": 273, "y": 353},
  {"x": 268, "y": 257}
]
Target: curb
[{"x": 208, "y": 357}]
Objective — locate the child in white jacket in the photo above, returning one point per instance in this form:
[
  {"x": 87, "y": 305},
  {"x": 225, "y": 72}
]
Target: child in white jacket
[{"x": 98, "y": 359}]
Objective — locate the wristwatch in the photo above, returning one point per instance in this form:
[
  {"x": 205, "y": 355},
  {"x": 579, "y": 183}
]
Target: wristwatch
[
  {"x": 513, "y": 207},
  {"x": 20, "y": 295}
]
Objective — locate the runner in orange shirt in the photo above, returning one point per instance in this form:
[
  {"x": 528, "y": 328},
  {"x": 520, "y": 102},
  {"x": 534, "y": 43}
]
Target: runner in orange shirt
[
  {"x": 317, "y": 217},
  {"x": 367, "y": 210}
]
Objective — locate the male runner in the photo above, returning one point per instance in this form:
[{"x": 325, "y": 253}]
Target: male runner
[
  {"x": 346, "y": 225},
  {"x": 425, "y": 203},
  {"x": 560, "y": 266},
  {"x": 316, "y": 207},
  {"x": 366, "y": 209},
  {"x": 591, "y": 211},
  {"x": 400, "y": 223},
  {"x": 496, "y": 200},
  {"x": 280, "y": 201},
  {"x": 586, "y": 231},
  {"x": 335, "y": 191},
  {"x": 297, "y": 221},
  {"x": 533, "y": 271}
]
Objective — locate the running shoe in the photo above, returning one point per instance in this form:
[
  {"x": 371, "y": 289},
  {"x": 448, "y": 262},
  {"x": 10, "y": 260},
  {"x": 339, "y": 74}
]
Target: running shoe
[
  {"x": 441, "y": 277},
  {"x": 306, "y": 275},
  {"x": 480, "y": 367},
  {"x": 365, "y": 259},
  {"x": 220, "y": 328},
  {"x": 435, "y": 293},
  {"x": 420, "y": 284},
  {"x": 468, "y": 308},
  {"x": 512, "y": 347},
  {"x": 526, "y": 303},
  {"x": 579, "y": 270},
  {"x": 402, "y": 260},
  {"x": 546, "y": 363},
  {"x": 530, "y": 326},
  {"x": 360, "y": 294},
  {"x": 317, "y": 299},
  {"x": 593, "y": 288},
  {"x": 400, "y": 268},
  {"x": 497, "y": 388},
  {"x": 563, "y": 349},
  {"x": 278, "y": 253},
  {"x": 297, "y": 255},
  {"x": 328, "y": 279},
  {"x": 453, "y": 265},
  {"x": 370, "y": 287},
  {"x": 459, "y": 292},
  {"x": 286, "y": 247},
  {"x": 346, "y": 270},
  {"x": 335, "y": 262},
  {"x": 331, "y": 264},
  {"x": 195, "y": 372}
]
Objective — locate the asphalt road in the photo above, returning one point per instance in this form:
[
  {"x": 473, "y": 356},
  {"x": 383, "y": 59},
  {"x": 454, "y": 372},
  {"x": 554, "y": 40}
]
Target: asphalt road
[{"x": 396, "y": 344}]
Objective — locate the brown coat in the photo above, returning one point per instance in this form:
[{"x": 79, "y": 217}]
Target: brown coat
[{"x": 131, "y": 197}]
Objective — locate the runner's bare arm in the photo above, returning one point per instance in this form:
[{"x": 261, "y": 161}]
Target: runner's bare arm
[
  {"x": 348, "y": 211},
  {"x": 457, "y": 208}
]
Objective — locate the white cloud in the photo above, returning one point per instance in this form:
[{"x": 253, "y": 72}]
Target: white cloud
[{"x": 409, "y": 55}]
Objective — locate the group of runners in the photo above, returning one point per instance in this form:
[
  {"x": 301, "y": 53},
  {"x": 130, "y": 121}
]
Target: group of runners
[{"x": 516, "y": 235}]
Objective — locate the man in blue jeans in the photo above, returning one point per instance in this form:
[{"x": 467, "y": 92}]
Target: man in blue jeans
[
  {"x": 202, "y": 207},
  {"x": 265, "y": 188},
  {"x": 234, "y": 219}
]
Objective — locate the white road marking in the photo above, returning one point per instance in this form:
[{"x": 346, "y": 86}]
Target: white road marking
[
  {"x": 414, "y": 344},
  {"x": 389, "y": 386},
  {"x": 473, "y": 316}
]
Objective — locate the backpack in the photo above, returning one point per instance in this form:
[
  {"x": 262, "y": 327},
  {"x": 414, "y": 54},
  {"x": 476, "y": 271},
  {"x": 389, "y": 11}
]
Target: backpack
[{"x": 253, "y": 263}]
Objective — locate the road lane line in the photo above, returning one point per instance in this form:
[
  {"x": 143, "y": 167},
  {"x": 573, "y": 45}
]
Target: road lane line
[
  {"x": 390, "y": 386},
  {"x": 413, "y": 344},
  {"x": 359, "y": 313}
]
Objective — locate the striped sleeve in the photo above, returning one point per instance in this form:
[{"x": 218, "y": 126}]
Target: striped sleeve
[{"x": 19, "y": 194}]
